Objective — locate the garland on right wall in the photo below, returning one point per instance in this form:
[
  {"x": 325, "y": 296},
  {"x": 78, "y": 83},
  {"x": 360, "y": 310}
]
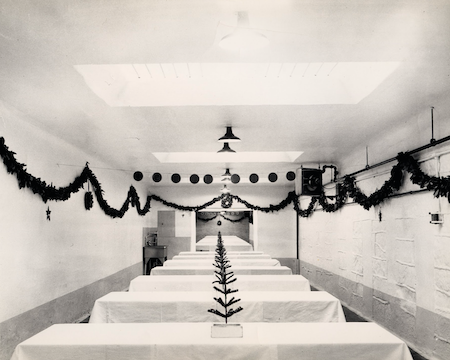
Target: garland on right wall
[{"x": 405, "y": 162}]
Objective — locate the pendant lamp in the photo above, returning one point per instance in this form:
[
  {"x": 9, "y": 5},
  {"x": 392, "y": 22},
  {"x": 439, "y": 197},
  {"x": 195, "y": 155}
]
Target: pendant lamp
[
  {"x": 226, "y": 148},
  {"x": 227, "y": 173},
  {"x": 229, "y": 136}
]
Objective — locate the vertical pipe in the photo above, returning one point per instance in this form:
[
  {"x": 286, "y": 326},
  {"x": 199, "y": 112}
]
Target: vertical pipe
[
  {"x": 367, "y": 157},
  {"x": 298, "y": 237},
  {"x": 432, "y": 127},
  {"x": 193, "y": 230}
]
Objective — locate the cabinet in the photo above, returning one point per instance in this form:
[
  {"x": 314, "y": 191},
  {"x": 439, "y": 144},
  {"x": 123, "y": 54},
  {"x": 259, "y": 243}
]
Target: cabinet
[{"x": 153, "y": 256}]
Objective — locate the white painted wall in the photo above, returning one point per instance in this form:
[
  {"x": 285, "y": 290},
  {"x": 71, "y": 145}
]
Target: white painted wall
[
  {"x": 395, "y": 271},
  {"x": 42, "y": 260},
  {"x": 276, "y": 231}
]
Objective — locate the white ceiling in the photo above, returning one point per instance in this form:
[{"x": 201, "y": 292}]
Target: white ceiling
[{"x": 69, "y": 67}]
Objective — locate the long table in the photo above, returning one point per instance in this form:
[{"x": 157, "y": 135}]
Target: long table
[
  {"x": 168, "y": 341},
  {"x": 231, "y": 243},
  {"x": 206, "y": 253},
  {"x": 233, "y": 262},
  {"x": 210, "y": 255},
  {"x": 259, "y": 306},
  {"x": 208, "y": 270},
  {"x": 204, "y": 283}
]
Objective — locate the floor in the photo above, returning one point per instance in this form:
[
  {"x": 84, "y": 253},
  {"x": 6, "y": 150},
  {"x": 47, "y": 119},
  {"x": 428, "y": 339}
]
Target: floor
[{"x": 350, "y": 316}]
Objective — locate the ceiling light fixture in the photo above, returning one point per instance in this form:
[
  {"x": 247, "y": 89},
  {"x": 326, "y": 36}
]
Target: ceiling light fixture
[
  {"x": 229, "y": 136},
  {"x": 226, "y": 176},
  {"x": 243, "y": 37},
  {"x": 227, "y": 173},
  {"x": 226, "y": 148}
]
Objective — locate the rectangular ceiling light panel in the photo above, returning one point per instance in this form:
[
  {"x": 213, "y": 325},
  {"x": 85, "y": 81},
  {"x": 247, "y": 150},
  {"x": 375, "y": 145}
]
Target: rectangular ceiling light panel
[
  {"x": 203, "y": 84},
  {"x": 241, "y": 157}
]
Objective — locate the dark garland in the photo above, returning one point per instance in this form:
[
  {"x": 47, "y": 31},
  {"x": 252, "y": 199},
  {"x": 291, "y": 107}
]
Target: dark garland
[
  {"x": 206, "y": 220},
  {"x": 406, "y": 163},
  {"x": 234, "y": 220},
  {"x": 224, "y": 217},
  {"x": 308, "y": 211}
]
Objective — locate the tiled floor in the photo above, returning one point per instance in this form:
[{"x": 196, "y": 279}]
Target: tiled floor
[{"x": 350, "y": 316}]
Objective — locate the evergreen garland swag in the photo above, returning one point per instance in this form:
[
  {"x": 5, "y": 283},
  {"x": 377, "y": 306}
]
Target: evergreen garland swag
[
  {"x": 405, "y": 163},
  {"x": 226, "y": 218}
]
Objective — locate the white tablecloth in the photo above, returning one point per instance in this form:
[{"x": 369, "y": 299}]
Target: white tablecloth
[
  {"x": 233, "y": 262},
  {"x": 206, "y": 253},
  {"x": 259, "y": 306},
  {"x": 203, "y": 283},
  {"x": 211, "y": 255},
  {"x": 168, "y": 341},
  {"x": 231, "y": 243},
  {"x": 208, "y": 270}
]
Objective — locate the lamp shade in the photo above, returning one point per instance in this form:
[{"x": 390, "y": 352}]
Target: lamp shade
[
  {"x": 227, "y": 173},
  {"x": 229, "y": 136},
  {"x": 226, "y": 148}
]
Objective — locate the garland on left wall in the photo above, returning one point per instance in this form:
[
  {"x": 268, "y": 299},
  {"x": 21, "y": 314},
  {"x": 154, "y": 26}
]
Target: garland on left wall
[{"x": 50, "y": 192}]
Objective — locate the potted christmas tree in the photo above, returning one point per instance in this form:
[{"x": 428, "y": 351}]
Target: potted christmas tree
[{"x": 224, "y": 277}]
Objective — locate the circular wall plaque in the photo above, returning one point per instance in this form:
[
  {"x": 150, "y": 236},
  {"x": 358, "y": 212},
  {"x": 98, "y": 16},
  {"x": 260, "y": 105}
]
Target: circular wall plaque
[
  {"x": 290, "y": 175},
  {"x": 157, "y": 177},
  {"x": 138, "y": 176},
  {"x": 273, "y": 177},
  {"x": 235, "y": 178},
  {"x": 194, "y": 179},
  {"x": 176, "y": 178},
  {"x": 208, "y": 179},
  {"x": 254, "y": 178}
]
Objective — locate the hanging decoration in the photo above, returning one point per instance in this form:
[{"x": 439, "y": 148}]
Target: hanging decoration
[
  {"x": 227, "y": 200},
  {"x": 440, "y": 186},
  {"x": 48, "y": 213},
  {"x": 88, "y": 200},
  {"x": 234, "y": 220},
  {"x": 247, "y": 214},
  {"x": 207, "y": 219}
]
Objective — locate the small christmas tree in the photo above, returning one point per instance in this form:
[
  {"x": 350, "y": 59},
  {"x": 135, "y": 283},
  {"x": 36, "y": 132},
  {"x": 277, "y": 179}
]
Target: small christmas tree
[{"x": 224, "y": 278}]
